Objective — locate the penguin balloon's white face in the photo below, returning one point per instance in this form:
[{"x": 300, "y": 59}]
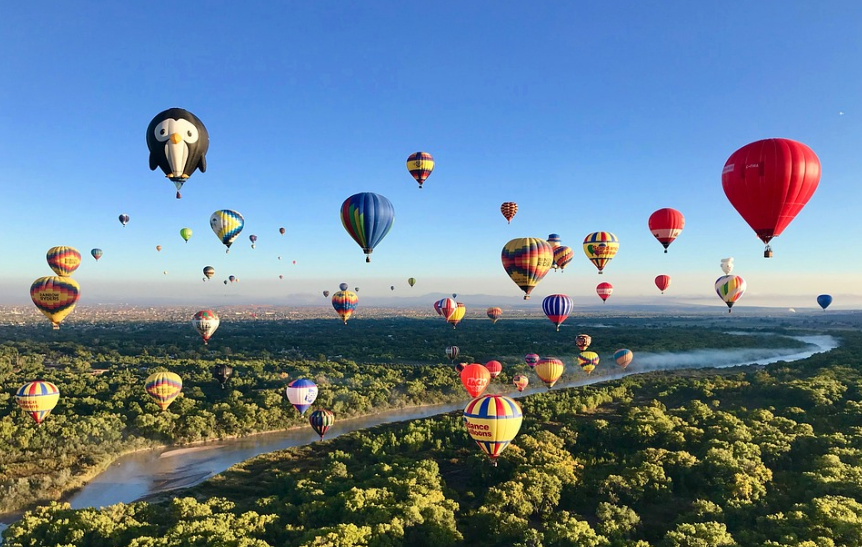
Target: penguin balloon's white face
[
  {"x": 186, "y": 130},
  {"x": 177, "y": 135}
]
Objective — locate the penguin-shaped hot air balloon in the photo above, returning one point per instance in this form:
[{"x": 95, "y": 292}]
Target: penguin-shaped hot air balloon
[{"x": 178, "y": 143}]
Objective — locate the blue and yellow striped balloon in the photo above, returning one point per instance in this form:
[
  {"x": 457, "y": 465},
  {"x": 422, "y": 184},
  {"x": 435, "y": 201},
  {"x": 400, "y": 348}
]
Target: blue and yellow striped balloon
[
  {"x": 367, "y": 217},
  {"x": 38, "y": 399},
  {"x": 600, "y": 248},
  {"x": 226, "y": 225},
  {"x": 493, "y": 421},
  {"x": 164, "y": 387}
]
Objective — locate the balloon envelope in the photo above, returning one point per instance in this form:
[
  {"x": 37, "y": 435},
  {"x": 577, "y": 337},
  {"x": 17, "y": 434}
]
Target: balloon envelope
[
  {"x": 301, "y": 393},
  {"x": 557, "y": 308},
  {"x": 509, "y": 209},
  {"x": 186, "y": 234},
  {"x": 562, "y": 256},
  {"x": 583, "y": 341},
  {"x": 97, "y": 253},
  {"x": 730, "y": 289},
  {"x": 665, "y": 225},
  {"x": 549, "y": 370},
  {"x": 55, "y": 297},
  {"x": 344, "y": 303},
  {"x": 367, "y": 217},
  {"x": 205, "y": 322},
  {"x": 209, "y": 272},
  {"x": 411, "y": 281},
  {"x": 623, "y": 357},
  {"x": 520, "y": 381},
  {"x": 222, "y": 373},
  {"x": 493, "y": 421},
  {"x": 342, "y": 287},
  {"x": 662, "y": 282},
  {"x": 420, "y": 165},
  {"x": 493, "y": 314},
  {"x": 124, "y": 219},
  {"x": 604, "y": 290},
  {"x": 531, "y": 359},
  {"x": 226, "y": 225},
  {"x": 178, "y": 143},
  {"x": 527, "y": 261},
  {"x": 727, "y": 265},
  {"x": 600, "y": 248},
  {"x": 452, "y": 352},
  {"x": 38, "y": 399},
  {"x": 475, "y": 378},
  {"x": 588, "y": 361},
  {"x": 494, "y": 367},
  {"x": 321, "y": 421},
  {"x": 63, "y": 260},
  {"x": 824, "y": 300},
  {"x": 456, "y": 316},
  {"x": 163, "y": 387}
]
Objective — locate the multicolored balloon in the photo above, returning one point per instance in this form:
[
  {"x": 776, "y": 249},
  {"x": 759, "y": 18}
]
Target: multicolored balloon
[
  {"x": 768, "y": 182},
  {"x": 186, "y": 234},
  {"x": 475, "y": 378},
  {"x": 456, "y": 316},
  {"x": 420, "y": 166},
  {"x": 527, "y": 261},
  {"x": 666, "y": 225},
  {"x": 205, "y": 322},
  {"x": 367, "y": 217},
  {"x": 97, "y": 253},
  {"x": 209, "y": 272},
  {"x": 493, "y": 421},
  {"x": 600, "y": 248},
  {"x": 557, "y": 308},
  {"x": 583, "y": 341},
  {"x": 321, "y": 420},
  {"x": 124, "y": 219},
  {"x": 38, "y": 399},
  {"x": 452, "y": 352},
  {"x": 531, "y": 359},
  {"x": 55, "y": 297},
  {"x": 301, "y": 393},
  {"x": 520, "y": 381},
  {"x": 604, "y": 290},
  {"x": 509, "y": 209},
  {"x": 63, "y": 260},
  {"x": 178, "y": 143},
  {"x": 623, "y": 357},
  {"x": 824, "y": 300},
  {"x": 588, "y": 361},
  {"x": 231, "y": 278},
  {"x": 494, "y": 314},
  {"x": 446, "y": 307},
  {"x": 164, "y": 387},
  {"x": 226, "y": 225},
  {"x": 549, "y": 370},
  {"x": 494, "y": 367},
  {"x": 662, "y": 282},
  {"x": 562, "y": 256},
  {"x": 344, "y": 303},
  {"x": 730, "y": 289}
]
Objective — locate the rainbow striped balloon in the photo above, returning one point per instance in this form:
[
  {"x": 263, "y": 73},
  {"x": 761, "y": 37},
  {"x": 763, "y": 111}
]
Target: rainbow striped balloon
[
  {"x": 420, "y": 166},
  {"x": 164, "y": 387},
  {"x": 527, "y": 261},
  {"x": 63, "y": 260},
  {"x": 321, "y": 421},
  {"x": 730, "y": 289},
  {"x": 55, "y": 297},
  {"x": 493, "y": 421},
  {"x": 38, "y": 399},
  {"x": 367, "y": 217},
  {"x": 562, "y": 256},
  {"x": 345, "y": 303},
  {"x": 600, "y": 248}
]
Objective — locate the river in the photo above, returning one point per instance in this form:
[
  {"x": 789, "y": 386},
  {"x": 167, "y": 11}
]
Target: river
[{"x": 145, "y": 473}]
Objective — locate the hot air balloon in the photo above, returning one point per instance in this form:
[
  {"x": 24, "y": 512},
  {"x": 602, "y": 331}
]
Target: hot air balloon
[
  {"x": 666, "y": 224},
  {"x": 475, "y": 378},
  {"x": 226, "y": 225},
  {"x": 222, "y": 373},
  {"x": 824, "y": 300},
  {"x": 209, "y": 272},
  {"x": 562, "y": 256},
  {"x": 729, "y": 288},
  {"x": 437, "y": 304},
  {"x": 97, "y": 253},
  {"x": 768, "y": 182},
  {"x": 446, "y": 307},
  {"x": 420, "y": 166},
  {"x": 493, "y": 314},
  {"x": 662, "y": 282},
  {"x": 342, "y": 287},
  {"x": 38, "y": 399},
  {"x": 63, "y": 260},
  {"x": 281, "y": 277},
  {"x": 367, "y": 217},
  {"x": 205, "y": 322},
  {"x": 178, "y": 143},
  {"x": 55, "y": 297},
  {"x": 321, "y": 421},
  {"x": 186, "y": 234},
  {"x": 457, "y": 315},
  {"x": 557, "y": 307},
  {"x": 588, "y": 361},
  {"x": 554, "y": 240},
  {"x": 727, "y": 265},
  {"x": 391, "y": 287},
  {"x": 301, "y": 393},
  {"x": 520, "y": 381},
  {"x": 549, "y": 370},
  {"x": 531, "y": 359},
  {"x": 159, "y": 248},
  {"x": 411, "y": 281},
  {"x": 623, "y": 357},
  {"x": 124, "y": 219},
  {"x": 452, "y": 352},
  {"x": 527, "y": 260},
  {"x": 326, "y": 294},
  {"x": 225, "y": 281},
  {"x": 604, "y": 290},
  {"x": 493, "y": 421},
  {"x": 459, "y": 367},
  {"x": 231, "y": 278},
  {"x": 253, "y": 239},
  {"x": 583, "y": 341},
  {"x": 494, "y": 367},
  {"x": 454, "y": 295},
  {"x": 281, "y": 231},
  {"x": 344, "y": 303},
  {"x": 356, "y": 289},
  {"x": 163, "y": 387},
  {"x": 509, "y": 209},
  {"x": 600, "y": 248}
]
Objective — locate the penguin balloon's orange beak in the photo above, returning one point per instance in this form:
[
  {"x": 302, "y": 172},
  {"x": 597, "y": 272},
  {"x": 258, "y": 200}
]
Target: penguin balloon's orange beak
[{"x": 176, "y": 138}]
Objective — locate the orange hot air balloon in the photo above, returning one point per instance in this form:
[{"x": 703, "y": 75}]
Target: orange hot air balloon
[
  {"x": 662, "y": 282},
  {"x": 666, "y": 224},
  {"x": 493, "y": 421},
  {"x": 549, "y": 370},
  {"x": 509, "y": 208},
  {"x": 475, "y": 378},
  {"x": 623, "y": 357},
  {"x": 520, "y": 381},
  {"x": 494, "y": 314},
  {"x": 494, "y": 367},
  {"x": 583, "y": 341},
  {"x": 604, "y": 290}
]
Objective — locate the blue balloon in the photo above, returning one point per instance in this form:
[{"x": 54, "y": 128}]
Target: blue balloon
[
  {"x": 557, "y": 307},
  {"x": 824, "y": 300},
  {"x": 367, "y": 217}
]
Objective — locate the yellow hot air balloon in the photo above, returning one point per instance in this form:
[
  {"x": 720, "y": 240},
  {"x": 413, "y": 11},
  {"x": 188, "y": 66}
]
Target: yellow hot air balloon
[
  {"x": 63, "y": 260},
  {"x": 549, "y": 370},
  {"x": 164, "y": 387},
  {"x": 588, "y": 360},
  {"x": 38, "y": 399},
  {"x": 493, "y": 421},
  {"x": 527, "y": 260},
  {"x": 457, "y": 315},
  {"x": 600, "y": 248},
  {"x": 55, "y": 296}
]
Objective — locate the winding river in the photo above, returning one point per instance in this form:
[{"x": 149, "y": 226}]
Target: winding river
[{"x": 142, "y": 474}]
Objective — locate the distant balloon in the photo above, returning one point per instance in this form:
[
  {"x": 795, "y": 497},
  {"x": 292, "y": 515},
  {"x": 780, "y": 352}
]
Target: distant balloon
[
  {"x": 391, "y": 287},
  {"x": 562, "y": 256},
  {"x": 604, "y": 290},
  {"x": 494, "y": 367},
  {"x": 446, "y": 307},
  {"x": 411, "y": 281},
  {"x": 186, "y": 234},
  {"x": 321, "y": 421},
  {"x": 493, "y": 421},
  {"x": 342, "y": 286},
  {"x": 452, "y": 352},
  {"x": 520, "y": 381},
  {"x": 226, "y": 225},
  {"x": 475, "y": 378},
  {"x": 623, "y": 357},
  {"x": 281, "y": 277},
  {"x": 437, "y": 306},
  {"x": 124, "y": 219},
  {"x": 420, "y": 166},
  {"x": 178, "y": 143},
  {"x": 454, "y": 295},
  {"x": 38, "y": 399},
  {"x": 727, "y": 265},
  {"x": 549, "y": 370},
  {"x": 531, "y": 359},
  {"x": 63, "y": 260},
  {"x": 164, "y": 387},
  {"x": 824, "y": 300},
  {"x": 730, "y": 289},
  {"x": 205, "y": 322},
  {"x": 662, "y": 282},
  {"x": 158, "y": 248},
  {"x": 225, "y": 281},
  {"x": 253, "y": 239},
  {"x": 344, "y": 303},
  {"x": 356, "y": 289},
  {"x": 281, "y": 231},
  {"x": 55, "y": 297},
  {"x": 509, "y": 209},
  {"x": 325, "y": 294},
  {"x": 231, "y": 278},
  {"x": 554, "y": 240},
  {"x": 165, "y": 272},
  {"x": 527, "y": 261},
  {"x": 666, "y": 224},
  {"x": 583, "y": 341},
  {"x": 459, "y": 367},
  {"x": 768, "y": 182},
  {"x": 600, "y": 248},
  {"x": 588, "y": 361},
  {"x": 367, "y": 217},
  {"x": 222, "y": 373},
  {"x": 97, "y": 253},
  {"x": 456, "y": 316},
  {"x": 494, "y": 314},
  {"x": 557, "y": 308},
  {"x": 209, "y": 272},
  {"x": 301, "y": 393}
]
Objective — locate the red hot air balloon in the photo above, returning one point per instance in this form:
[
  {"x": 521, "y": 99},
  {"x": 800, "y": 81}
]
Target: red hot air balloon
[
  {"x": 662, "y": 282},
  {"x": 768, "y": 182},
  {"x": 604, "y": 290},
  {"x": 666, "y": 224},
  {"x": 475, "y": 378},
  {"x": 494, "y": 367},
  {"x": 509, "y": 208}
]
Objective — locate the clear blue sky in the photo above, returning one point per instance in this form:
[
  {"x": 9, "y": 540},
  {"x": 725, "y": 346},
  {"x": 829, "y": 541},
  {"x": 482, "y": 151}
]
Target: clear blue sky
[{"x": 590, "y": 115}]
